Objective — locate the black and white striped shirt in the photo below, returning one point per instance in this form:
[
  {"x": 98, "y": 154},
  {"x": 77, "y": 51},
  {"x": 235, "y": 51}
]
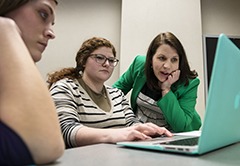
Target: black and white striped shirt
[{"x": 76, "y": 109}]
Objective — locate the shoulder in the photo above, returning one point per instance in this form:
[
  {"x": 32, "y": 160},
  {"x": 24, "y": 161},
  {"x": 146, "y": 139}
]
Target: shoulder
[
  {"x": 115, "y": 93},
  {"x": 113, "y": 90},
  {"x": 193, "y": 83},
  {"x": 141, "y": 59},
  {"x": 66, "y": 83},
  {"x": 139, "y": 62}
]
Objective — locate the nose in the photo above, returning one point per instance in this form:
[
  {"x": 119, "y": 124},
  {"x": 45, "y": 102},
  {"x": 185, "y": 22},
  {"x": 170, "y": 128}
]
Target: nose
[
  {"x": 106, "y": 63},
  {"x": 167, "y": 64},
  {"x": 49, "y": 33}
]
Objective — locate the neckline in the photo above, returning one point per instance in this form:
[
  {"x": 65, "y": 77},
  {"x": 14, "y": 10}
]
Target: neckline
[{"x": 87, "y": 88}]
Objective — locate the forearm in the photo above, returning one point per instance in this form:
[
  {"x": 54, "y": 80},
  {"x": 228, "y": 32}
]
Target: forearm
[
  {"x": 88, "y": 136},
  {"x": 178, "y": 116},
  {"x": 179, "y": 107},
  {"x": 25, "y": 104}
]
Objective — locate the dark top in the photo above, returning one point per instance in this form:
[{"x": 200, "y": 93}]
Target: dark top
[{"x": 13, "y": 150}]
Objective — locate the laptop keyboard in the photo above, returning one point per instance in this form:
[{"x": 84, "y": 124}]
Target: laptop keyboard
[{"x": 187, "y": 141}]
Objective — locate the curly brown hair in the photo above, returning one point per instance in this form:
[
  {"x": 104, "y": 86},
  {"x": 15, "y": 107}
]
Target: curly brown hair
[{"x": 84, "y": 52}]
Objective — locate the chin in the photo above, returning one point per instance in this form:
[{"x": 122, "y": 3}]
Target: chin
[
  {"x": 162, "y": 79},
  {"x": 36, "y": 57}
]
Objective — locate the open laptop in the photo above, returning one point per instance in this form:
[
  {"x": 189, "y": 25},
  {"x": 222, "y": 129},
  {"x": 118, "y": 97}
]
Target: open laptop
[{"x": 221, "y": 125}]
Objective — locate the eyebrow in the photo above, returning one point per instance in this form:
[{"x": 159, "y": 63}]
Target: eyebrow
[{"x": 51, "y": 12}]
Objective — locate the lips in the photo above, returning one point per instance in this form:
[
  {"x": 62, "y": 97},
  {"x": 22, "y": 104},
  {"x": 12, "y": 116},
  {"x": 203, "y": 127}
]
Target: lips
[
  {"x": 105, "y": 71},
  {"x": 164, "y": 73},
  {"x": 163, "y": 76},
  {"x": 43, "y": 43},
  {"x": 42, "y": 46}
]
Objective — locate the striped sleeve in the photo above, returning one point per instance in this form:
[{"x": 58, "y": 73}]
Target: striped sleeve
[
  {"x": 119, "y": 99},
  {"x": 76, "y": 109},
  {"x": 66, "y": 106}
]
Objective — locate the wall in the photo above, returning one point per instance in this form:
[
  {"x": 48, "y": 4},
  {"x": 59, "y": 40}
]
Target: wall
[
  {"x": 220, "y": 16},
  {"x": 130, "y": 25},
  {"x": 78, "y": 20},
  {"x": 142, "y": 21}
]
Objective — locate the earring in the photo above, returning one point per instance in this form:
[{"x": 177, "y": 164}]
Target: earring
[{"x": 80, "y": 72}]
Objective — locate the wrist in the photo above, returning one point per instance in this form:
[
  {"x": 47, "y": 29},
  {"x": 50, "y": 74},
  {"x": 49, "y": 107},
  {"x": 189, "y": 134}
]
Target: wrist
[{"x": 165, "y": 91}]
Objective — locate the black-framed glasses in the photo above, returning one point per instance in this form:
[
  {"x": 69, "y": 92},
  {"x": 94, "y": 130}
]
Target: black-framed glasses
[{"x": 101, "y": 59}]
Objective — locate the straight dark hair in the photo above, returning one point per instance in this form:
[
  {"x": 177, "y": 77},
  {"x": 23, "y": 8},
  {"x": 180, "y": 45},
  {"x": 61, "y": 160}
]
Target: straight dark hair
[
  {"x": 171, "y": 40},
  {"x": 10, "y": 5}
]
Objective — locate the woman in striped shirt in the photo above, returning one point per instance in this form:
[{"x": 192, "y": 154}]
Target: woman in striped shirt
[{"x": 89, "y": 111}]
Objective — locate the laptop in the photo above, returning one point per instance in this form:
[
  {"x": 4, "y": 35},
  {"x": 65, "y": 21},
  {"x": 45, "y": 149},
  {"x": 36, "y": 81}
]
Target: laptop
[{"x": 221, "y": 125}]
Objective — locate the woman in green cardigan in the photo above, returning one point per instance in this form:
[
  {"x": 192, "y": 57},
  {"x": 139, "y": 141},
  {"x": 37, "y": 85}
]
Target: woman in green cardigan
[{"x": 164, "y": 89}]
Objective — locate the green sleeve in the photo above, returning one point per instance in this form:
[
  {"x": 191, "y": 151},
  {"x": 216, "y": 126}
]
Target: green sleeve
[
  {"x": 179, "y": 107},
  {"x": 128, "y": 79}
]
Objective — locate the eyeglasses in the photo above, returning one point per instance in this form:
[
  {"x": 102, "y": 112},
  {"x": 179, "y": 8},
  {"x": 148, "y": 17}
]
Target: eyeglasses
[{"x": 101, "y": 59}]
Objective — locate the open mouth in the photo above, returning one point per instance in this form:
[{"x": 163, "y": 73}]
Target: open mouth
[{"x": 165, "y": 73}]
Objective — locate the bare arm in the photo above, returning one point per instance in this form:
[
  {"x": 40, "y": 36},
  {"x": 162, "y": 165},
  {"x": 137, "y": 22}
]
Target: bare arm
[
  {"x": 88, "y": 136},
  {"x": 25, "y": 103}
]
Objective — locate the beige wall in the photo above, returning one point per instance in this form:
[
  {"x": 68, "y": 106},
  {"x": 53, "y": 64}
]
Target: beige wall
[
  {"x": 142, "y": 21},
  {"x": 132, "y": 24},
  {"x": 78, "y": 20},
  {"x": 220, "y": 16}
]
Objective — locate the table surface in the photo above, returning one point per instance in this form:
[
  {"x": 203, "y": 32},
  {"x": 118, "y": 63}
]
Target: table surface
[{"x": 114, "y": 155}]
